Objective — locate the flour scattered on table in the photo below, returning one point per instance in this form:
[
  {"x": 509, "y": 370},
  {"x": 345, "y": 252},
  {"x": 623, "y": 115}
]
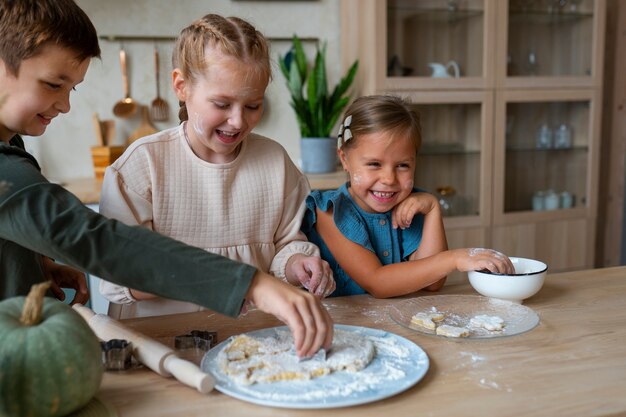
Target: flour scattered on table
[
  {"x": 491, "y": 323},
  {"x": 248, "y": 360},
  {"x": 452, "y": 331}
]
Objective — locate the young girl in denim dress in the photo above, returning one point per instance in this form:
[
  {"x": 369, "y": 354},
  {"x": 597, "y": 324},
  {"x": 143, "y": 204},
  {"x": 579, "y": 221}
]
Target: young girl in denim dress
[{"x": 379, "y": 234}]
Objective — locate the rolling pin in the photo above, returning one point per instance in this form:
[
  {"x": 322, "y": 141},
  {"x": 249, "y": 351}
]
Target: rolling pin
[{"x": 156, "y": 356}]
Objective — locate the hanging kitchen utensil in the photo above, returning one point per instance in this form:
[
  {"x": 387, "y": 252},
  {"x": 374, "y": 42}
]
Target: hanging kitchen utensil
[
  {"x": 159, "y": 110},
  {"x": 127, "y": 106},
  {"x": 145, "y": 128}
]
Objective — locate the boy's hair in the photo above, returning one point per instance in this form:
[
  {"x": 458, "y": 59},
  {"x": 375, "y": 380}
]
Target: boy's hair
[
  {"x": 382, "y": 113},
  {"x": 232, "y": 36},
  {"x": 27, "y": 25}
]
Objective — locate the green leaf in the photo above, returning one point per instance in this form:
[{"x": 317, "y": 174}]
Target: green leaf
[
  {"x": 294, "y": 82},
  {"x": 300, "y": 58},
  {"x": 316, "y": 111}
]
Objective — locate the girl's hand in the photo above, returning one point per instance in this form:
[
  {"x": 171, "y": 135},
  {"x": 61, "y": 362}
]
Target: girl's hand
[
  {"x": 476, "y": 259},
  {"x": 313, "y": 273},
  {"x": 402, "y": 214},
  {"x": 308, "y": 320},
  {"x": 63, "y": 276}
]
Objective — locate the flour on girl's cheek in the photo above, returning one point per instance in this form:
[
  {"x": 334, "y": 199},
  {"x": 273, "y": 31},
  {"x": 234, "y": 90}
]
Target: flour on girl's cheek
[
  {"x": 356, "y": 178},
  {"x": 197, "y": 126}
]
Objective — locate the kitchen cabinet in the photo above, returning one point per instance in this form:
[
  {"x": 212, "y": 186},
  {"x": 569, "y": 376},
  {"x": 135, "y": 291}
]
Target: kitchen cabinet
[{"x": 510, "y": 98}]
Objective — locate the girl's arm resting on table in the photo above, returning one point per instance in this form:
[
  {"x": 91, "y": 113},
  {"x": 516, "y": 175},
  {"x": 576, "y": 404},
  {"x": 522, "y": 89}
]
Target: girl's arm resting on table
[
  {"x": 384, "y": 281},
  {"x": 297, "y": 261}
]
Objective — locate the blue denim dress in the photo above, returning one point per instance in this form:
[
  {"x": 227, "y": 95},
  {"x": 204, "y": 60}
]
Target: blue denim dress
[{"x": 373, "y": 231}]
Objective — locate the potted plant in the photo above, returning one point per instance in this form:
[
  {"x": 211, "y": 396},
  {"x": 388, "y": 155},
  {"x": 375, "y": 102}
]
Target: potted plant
[{"x": 316, "y": 109}]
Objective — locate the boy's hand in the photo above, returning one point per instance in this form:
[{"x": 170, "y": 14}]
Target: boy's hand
[
  {"x": 402, "y": 214},
  {"x": 476, "y": 259},
  {"x": 63, "y": 276},
  {"x": 308, "y": 320},
  {"x": 312, "y": 272}
]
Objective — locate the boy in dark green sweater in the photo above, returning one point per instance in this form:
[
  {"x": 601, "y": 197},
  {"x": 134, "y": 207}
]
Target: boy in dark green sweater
[{"x": 45, "y": 49}]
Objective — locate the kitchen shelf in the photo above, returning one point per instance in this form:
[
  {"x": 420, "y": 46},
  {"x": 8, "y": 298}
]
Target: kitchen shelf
[{"x": 480, "y": 130}]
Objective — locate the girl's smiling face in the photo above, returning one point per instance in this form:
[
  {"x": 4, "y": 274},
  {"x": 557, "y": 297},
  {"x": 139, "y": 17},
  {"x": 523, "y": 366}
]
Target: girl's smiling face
[
  {"x": 40, "y": 91},
  {"x": 381, "y": 167},
  {"x": 223, "y": 105}
]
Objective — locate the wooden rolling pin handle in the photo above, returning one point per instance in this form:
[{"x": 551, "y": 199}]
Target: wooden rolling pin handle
[{"x": 188, "y": 373}]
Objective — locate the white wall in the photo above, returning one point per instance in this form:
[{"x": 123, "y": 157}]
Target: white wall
[{"x": 64, "y": 150}]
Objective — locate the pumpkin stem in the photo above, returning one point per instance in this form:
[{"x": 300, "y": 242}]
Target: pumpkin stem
[{"x": 31, "y": 313}]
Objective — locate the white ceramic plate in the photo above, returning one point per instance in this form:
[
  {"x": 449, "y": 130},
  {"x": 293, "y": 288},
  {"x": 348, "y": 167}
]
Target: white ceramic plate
[
  {"x": 398, "y": 365},
  {"x": 458, "y": 311}
]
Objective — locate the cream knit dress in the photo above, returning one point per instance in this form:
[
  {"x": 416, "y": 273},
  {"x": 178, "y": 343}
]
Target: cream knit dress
[{"x": 248, "y": 210}]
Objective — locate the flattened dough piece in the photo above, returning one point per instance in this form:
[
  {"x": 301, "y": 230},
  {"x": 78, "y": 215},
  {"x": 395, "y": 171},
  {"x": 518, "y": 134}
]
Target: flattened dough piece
[
  {"x": 452, "y": 331},
  {"x": 427, "y": 320},
  {"x": 491, "y": 323},
  {"x": 248, "y": 360}
]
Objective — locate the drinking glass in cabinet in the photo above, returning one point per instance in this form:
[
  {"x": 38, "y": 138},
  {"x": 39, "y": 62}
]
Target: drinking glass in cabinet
[{"x": 545, "y": 170}]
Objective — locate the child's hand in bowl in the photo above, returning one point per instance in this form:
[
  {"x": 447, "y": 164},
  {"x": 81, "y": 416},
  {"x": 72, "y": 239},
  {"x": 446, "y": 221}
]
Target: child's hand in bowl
[{"x": 476, "y": 259}]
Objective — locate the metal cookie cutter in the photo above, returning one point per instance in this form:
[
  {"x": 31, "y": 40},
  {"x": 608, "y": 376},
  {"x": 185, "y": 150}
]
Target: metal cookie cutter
[
  {"x": 116, "y": 354},
  {"x": 195, "y": 345},
  {"x": 196, "y": 339}
]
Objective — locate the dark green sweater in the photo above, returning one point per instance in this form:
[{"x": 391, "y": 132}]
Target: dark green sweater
[{"x": 38, "y": 217}]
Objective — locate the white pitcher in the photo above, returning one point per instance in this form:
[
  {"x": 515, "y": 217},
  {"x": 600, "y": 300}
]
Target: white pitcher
[{"x": 443, "y": 71}]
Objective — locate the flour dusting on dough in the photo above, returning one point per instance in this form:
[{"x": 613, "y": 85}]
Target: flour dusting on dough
[{"x": 248, "y": 360}]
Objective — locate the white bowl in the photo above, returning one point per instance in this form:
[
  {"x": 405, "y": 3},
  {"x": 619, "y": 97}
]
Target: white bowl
[{"x": 526, "y": 282}]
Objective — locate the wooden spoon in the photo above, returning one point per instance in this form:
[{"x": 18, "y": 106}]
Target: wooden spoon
[
  {"x": 127, "y": 106},
  {"x": 145, "y": 128}
]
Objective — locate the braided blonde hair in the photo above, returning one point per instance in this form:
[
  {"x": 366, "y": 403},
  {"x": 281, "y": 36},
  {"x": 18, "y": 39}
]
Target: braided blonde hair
[{"x": 232, "y": 36}]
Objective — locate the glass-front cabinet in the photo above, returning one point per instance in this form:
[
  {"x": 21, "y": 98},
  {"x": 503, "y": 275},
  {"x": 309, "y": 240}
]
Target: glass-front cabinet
[
  {"x": 551, "y": 42},
  {"x": 441, "y": 39},
  {"x": 509, "y": 94}
]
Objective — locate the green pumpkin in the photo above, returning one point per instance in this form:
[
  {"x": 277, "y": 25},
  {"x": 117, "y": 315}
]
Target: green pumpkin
[{"x": 50, "y": 360}]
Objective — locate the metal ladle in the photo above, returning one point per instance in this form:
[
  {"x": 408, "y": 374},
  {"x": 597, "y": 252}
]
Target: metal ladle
[{"x": 127, "y": 106}]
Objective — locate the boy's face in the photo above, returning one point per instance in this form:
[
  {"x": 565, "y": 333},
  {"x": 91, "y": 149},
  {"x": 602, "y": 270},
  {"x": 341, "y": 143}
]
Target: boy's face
[{"x": 40, "y": 91}]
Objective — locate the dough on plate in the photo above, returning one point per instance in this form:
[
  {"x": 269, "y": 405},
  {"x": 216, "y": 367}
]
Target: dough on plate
[
  {"x": 491, "y": 323},
  {"x": 452, "y": 331},
  {"x": 427, "y": 320},
  {"x": 248, "y": 360}
]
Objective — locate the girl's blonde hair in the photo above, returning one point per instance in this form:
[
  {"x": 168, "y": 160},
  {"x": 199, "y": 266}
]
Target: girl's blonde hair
[
  {"x": 381, "y": 113},
  {"x": 232, "y": 36}
]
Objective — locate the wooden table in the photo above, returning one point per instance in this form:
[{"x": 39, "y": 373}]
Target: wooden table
[{"x": 572, "y": 364}]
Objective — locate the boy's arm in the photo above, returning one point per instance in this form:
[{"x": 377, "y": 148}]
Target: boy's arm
[
  {"x": 47, "y": 219},
  {"x": 118, "y": 201}
]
